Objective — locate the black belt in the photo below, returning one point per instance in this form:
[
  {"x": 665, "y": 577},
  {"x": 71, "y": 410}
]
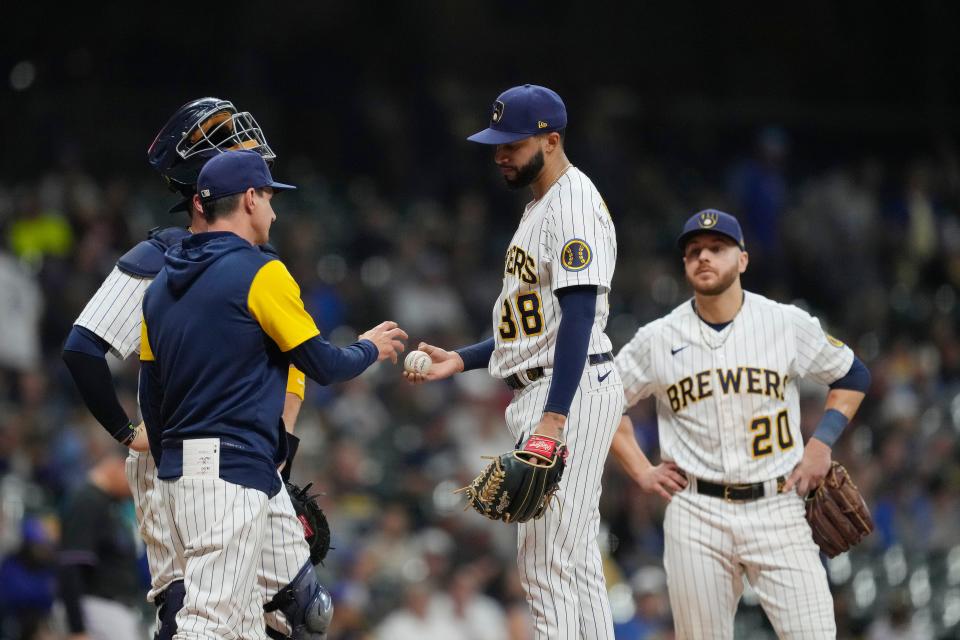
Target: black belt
[
  {"x": 735, "y": 492},
  {"x": 516, "y": 382}
]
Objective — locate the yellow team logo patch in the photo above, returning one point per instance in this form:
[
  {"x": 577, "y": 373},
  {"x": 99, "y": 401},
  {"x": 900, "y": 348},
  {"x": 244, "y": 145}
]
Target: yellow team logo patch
[
  {"x": 834, "y": 341},
  {"x": 708, "y": 219},
  {"x": 541, "y": 124},
  {"x": 576, "y": 255}
]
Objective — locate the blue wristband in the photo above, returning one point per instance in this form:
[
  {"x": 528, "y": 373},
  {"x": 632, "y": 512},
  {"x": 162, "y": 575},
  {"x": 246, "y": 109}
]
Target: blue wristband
[{"x": 831, "y": 426}]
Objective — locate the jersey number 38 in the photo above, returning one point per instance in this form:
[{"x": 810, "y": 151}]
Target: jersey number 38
[{"x": 531, "y": 317}]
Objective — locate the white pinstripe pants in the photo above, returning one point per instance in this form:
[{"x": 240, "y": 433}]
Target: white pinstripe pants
[
  {"x": 283, "y": 554},
  {"x": 711, "y": 544},
  {"x": 558, "y": 555},
  {"x": 217, "y": 530},
  {"x": 142, "y": 477},
  {"x": 284, "y": 549}
]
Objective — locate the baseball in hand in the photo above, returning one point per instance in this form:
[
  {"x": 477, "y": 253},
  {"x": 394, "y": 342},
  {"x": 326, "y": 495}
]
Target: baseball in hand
[{"x": 417, "y": 362}]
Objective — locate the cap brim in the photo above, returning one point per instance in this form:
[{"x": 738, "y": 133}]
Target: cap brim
[
  {"x": 493, "y": 136},
  {"x": 279, "y": 186},
  {"x": 682, "y": 240},
  {"x": 183, "y": 205}
]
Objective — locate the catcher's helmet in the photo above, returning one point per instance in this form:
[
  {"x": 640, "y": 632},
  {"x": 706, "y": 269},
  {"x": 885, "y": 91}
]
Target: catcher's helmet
[{"x": 195, "y": 133}]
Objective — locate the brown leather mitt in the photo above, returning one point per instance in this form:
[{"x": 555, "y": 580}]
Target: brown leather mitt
[{"x": 837, "y": 513}]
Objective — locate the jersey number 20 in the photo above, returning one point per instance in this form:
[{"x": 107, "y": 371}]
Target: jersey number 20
[
  {"x": 762, "y": 427},
  {"x": 531, "y": 317}
]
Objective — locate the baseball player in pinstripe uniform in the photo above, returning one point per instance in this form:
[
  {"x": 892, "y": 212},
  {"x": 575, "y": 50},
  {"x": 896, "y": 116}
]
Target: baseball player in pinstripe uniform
[
  {"x": 111, "y": 321},
  {"x": 723, "y": 368},
  {"x": 222, "y": 322},
  {"x": 549, "y": 346}
]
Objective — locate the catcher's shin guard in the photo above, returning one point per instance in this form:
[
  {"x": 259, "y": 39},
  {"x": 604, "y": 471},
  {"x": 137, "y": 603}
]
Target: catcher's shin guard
[
  {"x": 168, "y": 603},
  {"x": 306, "y": 604}
]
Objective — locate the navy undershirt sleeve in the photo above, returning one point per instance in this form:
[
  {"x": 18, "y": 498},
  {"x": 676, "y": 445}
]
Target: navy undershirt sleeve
[
  {"x": 328, "y": 364},
  {"x": 578, "y": 306},
  {"x": 85, "y": 341},
  {"x": 476, "y": 356},
  {"x": 83, "y": 353},
  {"x": 856, "y": 379}
]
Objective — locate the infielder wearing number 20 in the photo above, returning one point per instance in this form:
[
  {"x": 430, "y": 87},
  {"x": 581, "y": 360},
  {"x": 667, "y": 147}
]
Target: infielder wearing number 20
[
  {"x": 723, "y": 369},
  {"x": 549, "y": 345}
]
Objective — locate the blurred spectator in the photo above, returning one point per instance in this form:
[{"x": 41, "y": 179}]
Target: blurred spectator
[
  {"x": 28, "y": 583},
  {"x": 651, "y": 619},
  {"x": 758, "y": 187},
  {"x": 38, "y": 231},
  {"x": 896, "y": 623},
  {"x": 477, "y": 616},
  {"x": 20, "y": 308},
  {"x": 99, "y": 581},
  {"x": 417, "y": 620}
]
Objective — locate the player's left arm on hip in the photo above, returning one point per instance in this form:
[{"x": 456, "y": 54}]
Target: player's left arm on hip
[
  {"x": 627, "y": 451},
  {"x": 578, "y": 306},
  {"x": 843, "y": 400},
  {"x": 84, "y": 354}
]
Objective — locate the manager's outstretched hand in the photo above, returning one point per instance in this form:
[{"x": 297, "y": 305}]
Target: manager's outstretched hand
[{"x": 388, "y": 338}]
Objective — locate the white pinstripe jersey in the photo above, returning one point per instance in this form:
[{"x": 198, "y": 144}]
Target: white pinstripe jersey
[
  {"x": 114, "y": 311},
  {"x": 727, "y": 402},
  {"x": 566, "y": 238}
]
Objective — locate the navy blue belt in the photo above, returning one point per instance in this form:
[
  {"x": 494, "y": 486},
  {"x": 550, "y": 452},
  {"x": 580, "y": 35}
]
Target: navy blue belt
[{"x": 516, "y": 382}]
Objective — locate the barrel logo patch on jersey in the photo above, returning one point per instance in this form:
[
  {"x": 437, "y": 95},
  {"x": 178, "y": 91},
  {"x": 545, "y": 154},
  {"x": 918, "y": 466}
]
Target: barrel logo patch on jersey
[
  {"x": 576, "y": 255},
  {"x": 708, "y": 219},
  {"x": 497, "y": 111},
  {"x": 833, "y": 341}
]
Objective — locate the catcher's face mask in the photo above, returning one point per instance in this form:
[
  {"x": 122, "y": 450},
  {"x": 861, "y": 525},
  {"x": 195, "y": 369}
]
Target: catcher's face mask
[
  {"x": 198, "y": 131},
  {"x": 224, "y": 129}
]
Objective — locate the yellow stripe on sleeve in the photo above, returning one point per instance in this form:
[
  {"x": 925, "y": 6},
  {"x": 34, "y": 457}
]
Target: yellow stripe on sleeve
[
  {"x": 296, "y": 382},
  {"x": 274, "y": 302},
  {"x": 146, "y": 353}
]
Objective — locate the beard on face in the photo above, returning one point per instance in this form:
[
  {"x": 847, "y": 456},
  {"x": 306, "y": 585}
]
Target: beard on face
[
  {"x": 724, "y": 281},
  {"x": 527, "y": 173}
]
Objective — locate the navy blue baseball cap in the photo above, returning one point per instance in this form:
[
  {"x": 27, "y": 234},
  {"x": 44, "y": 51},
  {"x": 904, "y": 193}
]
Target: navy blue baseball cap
[
  {"x": 235, "y": 172},
  {"x": 712, "y": 221},
  {"x": 522, "y": 112}
]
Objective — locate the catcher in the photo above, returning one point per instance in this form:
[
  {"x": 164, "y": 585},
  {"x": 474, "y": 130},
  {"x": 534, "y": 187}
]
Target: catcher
[
  {"x": 195, "y": 133},
  {"x": 723, "y": 368}
]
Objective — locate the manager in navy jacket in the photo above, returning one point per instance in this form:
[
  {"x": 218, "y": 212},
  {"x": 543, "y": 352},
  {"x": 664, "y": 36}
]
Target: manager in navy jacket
[{"x": 223, "y": 322}]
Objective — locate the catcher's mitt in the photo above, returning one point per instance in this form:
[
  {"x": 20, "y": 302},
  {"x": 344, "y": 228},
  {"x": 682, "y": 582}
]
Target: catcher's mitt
[
  {"x": 837, "y": 513},
  {"x": 517, "y": 486},
  {"x": 316, "y": 531}
]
